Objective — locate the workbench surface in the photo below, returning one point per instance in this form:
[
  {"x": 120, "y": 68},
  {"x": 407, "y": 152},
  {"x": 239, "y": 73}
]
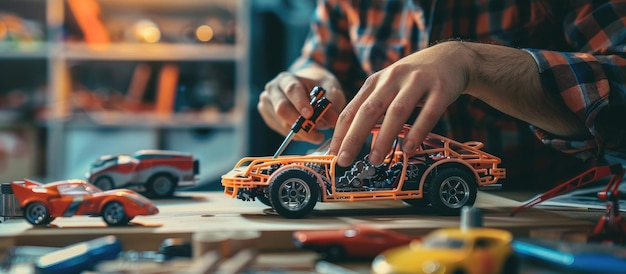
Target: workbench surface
[{"x": 196, "y": 212}]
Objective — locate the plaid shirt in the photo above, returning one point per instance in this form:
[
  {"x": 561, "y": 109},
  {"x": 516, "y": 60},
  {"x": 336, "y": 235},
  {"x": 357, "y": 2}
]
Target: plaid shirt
[{"x": 579, "y": 47}]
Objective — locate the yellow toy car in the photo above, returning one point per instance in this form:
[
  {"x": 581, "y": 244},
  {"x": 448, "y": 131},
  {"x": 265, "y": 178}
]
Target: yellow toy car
[
  {"x": 454, "y": 251},
  {"x": 441, "y": 172}
]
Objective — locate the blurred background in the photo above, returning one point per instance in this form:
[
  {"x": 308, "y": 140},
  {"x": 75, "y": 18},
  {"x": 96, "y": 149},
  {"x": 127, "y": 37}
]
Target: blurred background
[{"x": 84, "y": 78}]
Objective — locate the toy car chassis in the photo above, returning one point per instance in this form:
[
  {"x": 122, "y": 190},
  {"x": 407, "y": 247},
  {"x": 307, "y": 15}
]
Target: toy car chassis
[{"x": 442, "y": 172}]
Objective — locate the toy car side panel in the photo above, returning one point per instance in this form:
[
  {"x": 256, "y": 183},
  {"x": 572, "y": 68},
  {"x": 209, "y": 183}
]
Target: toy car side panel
[
  {"x": 182, "y": 168},
  {"x": 119, "y": 179},
  {"x": 25, "y": 194},
  {"x": 66, "y": 206},
  {"x": 121, "y": 174}
]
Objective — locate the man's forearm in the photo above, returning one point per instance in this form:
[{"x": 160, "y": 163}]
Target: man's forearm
[{"x": 508, "y": 80}]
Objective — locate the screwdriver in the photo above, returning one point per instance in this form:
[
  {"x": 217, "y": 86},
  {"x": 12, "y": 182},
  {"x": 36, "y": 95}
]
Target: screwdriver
[{"x": 320, "y": 105}]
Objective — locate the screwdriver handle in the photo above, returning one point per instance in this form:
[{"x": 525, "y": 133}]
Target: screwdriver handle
[
  {"x": 316, "y": 93},
  {"x": 320, "y": 105}
]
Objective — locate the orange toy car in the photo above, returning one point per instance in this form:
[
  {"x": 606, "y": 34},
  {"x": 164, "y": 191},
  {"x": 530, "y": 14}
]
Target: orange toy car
[
  {"x": 42, "y": 203},
  {"x": 441, "y": 172}
]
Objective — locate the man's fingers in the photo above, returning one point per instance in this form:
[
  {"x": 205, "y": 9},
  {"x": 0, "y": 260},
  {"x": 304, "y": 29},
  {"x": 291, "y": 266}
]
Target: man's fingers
[
  {"x": 266, "y": 110},
  {"x": 396, "y": 116},
  {"x": 282, "y": 108},
  {"x": 426, "y": 120},
  {"x": 366, "y": 111},
  {"x": 296, "y": 93}
]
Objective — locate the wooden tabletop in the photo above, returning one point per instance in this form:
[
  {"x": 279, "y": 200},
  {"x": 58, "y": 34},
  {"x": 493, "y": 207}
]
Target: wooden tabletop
[{"x": 204, "y": 212}]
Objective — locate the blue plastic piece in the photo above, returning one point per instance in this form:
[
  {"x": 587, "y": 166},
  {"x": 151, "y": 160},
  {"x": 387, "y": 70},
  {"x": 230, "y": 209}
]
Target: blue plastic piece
[
  {"x": 79, "y": 257},
  {"x": 573, "y": 257}
]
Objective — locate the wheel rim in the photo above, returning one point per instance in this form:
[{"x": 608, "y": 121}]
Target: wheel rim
[
  {"x": 162, "y": 185},
  {"x": 114, "y": 213},
  {"x": 454, "y": 192},
  {"x": 294, "y": 194},
  {"x": 104, "y": 184},
  {"x": 37, "y": 213}
]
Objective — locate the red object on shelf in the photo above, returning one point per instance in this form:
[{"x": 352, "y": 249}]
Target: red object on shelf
[
  {"x": 611, "y": 227},
  {"x": 87, "y": 14}
]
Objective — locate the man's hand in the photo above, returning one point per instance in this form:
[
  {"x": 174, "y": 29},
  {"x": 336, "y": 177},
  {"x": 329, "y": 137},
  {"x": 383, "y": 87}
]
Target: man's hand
[
  {"x": 432, "y": 78},
  {"x": 286, "y": 97},
  {"x": 505, "y": 78}
]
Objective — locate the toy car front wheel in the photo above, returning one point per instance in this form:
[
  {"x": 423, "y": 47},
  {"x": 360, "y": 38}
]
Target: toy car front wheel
[
  {"x": 104, "y": 183},
  {"x": 161, "y": 186},
  {"x": 294, "y": 193},
  {"x": 36, "y": 213},
  {"x": 451, "y": 189},
  {"x": 114, "y": 215},
  {"x": 263, "y": 198}
]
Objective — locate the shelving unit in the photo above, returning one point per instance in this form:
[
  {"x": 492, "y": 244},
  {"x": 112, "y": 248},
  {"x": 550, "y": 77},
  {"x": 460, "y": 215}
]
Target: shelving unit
[{"x": 195, "y": 93}]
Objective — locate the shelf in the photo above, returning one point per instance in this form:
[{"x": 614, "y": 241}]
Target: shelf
[
  {"x": 59, "y": 62},
  {"x": 167, "y": 4},
  {"x": 154, "y": 52},
  {"x": 213, "y": 119},
  {"x": 22, "y": 50}
]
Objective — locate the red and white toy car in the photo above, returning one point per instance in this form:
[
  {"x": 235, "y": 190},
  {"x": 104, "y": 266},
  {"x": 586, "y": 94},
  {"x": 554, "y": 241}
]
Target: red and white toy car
[{"x": 159, "y": 172}]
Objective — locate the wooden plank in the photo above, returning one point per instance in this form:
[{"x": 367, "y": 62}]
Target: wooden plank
[{"x": 204, "y": 212}]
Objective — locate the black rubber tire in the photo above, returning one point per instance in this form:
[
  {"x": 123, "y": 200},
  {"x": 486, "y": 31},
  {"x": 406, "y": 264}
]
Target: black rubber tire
[
  {"x": 264, "y": 200},
  {"x": 511, "y": 265},
  {"x": 335, "y": 253},
  {"x": 104, "y": 183},
  {"x": 294, "y": 193},
  {"x": 424, "y": 202},
  {"x": 114, "y": 215},
  {"x": 450, "y": 189},
  {"x": 161, "y": 186},
  {"x": 36, "y": 213}
]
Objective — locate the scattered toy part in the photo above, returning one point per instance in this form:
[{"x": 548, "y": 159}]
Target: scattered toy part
[{"x": 611, "y": 227}]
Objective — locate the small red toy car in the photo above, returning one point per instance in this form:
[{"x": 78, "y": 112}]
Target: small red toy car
[
  {"x": 159, "y": 172},
  {"x": 353, "y": 242},
  {"x": 42, "y": 203}
]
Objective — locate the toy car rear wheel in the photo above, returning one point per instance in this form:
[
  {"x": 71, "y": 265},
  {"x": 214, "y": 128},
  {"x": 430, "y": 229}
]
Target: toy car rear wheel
[
  {"x": 104, "y": 183},
  {"x": 161, "y": 186},
  {"x": 294, "y": 193},
  {"x": 450, "y": 189},
  {"x": 335, "y": 253},
  {"x": 114, "y": 215},
  {"x": 36, "y": 213}
]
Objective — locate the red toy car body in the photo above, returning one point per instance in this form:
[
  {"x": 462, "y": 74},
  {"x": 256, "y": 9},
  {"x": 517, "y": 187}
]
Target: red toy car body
[
  {"x": 159, "y": 172},
  {"x": 354, "y": 242},
  {"x": 42, "y": 203}
]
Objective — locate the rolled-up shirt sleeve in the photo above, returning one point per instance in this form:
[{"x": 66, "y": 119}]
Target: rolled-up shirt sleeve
[
  {"x": 590, "y": 80},
  {"x": 329, "y": 44}
]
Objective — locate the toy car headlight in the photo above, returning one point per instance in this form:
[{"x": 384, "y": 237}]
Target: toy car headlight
[
  {"x": 430, "y": 266},
  {"x": 380, "y": 265},
  {"x": 301, "y": 237}
]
